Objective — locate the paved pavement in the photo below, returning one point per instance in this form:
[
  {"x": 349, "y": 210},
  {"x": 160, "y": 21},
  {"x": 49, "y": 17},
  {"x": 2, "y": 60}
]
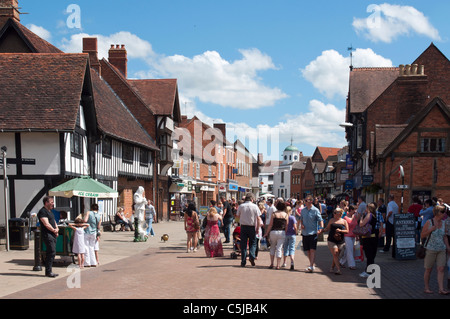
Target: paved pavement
[{"x": 163, "y": 270}]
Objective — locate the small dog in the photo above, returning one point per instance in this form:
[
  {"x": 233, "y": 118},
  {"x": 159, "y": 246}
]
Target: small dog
[{"x": 165, "y": 237}]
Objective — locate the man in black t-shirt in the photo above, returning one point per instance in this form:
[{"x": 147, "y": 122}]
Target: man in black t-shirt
[
  {"x": 49, "y": 233},
  {"x": 227, "y": 219}
]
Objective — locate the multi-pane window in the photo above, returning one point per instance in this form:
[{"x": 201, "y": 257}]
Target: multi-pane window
[
  {"x": 359, "y": 136},
  {"x": 127, "y": 153},
  {"x": 143, "y": 157},
  {"x": 433, "y": 145},
  {"x": 76, "y": 144},
  {"x": 185, "y": 168},
  {"x": 198, "y": 170},
  {"x": 107, "y": 147}
]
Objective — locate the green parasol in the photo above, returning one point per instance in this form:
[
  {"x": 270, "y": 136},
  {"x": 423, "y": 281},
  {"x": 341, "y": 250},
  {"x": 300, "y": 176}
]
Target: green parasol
[{"x": 83, "y": 186}]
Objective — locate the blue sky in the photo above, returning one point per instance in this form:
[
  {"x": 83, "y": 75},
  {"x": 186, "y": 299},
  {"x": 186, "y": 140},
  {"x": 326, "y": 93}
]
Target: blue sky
[{"x": 272, "y": 70}]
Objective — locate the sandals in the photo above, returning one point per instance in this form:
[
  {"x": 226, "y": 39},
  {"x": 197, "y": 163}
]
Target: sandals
[{"x": 444, "y": 292}]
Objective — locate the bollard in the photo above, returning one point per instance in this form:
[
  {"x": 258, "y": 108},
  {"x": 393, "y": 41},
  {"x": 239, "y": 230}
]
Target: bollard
[{"x": 37, "y": 250}]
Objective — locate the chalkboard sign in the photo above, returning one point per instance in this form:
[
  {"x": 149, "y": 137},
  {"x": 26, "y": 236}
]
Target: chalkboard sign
[{"x": 405, "y": 236}]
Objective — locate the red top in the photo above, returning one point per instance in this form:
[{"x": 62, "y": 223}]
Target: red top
[{"x": 415, "y": 209}]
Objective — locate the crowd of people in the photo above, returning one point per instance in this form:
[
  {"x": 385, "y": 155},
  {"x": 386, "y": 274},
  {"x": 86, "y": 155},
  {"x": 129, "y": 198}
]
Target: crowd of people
[{"x": 275, "y": 225}]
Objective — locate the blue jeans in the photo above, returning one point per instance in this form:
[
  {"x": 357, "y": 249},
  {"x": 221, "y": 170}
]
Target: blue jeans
[
  {"x": 150, "y": 227},
  {"x": 289, "y": 245},
  {"x": 248, "y": 233},
  {"x": 226, "y": 228}
]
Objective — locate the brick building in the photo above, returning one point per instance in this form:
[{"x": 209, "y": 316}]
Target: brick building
[
  {"x": 88, "y": 142},
  {"x": 405, "y": 122}
]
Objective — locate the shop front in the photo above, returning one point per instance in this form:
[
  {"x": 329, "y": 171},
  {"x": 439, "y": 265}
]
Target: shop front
[
  {"x": 206, "y": 193},
  {"x": 233, "y": 189},
  {"x": 181, "y": 192}
]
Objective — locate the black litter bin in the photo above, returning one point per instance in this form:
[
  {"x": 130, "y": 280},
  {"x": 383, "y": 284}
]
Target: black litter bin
[{"x": 18, "y": 234}]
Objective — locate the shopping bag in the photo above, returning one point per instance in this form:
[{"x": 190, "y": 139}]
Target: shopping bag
[
  {"x": 263, "y": 244},
  {"x": 358, "y": 252}
]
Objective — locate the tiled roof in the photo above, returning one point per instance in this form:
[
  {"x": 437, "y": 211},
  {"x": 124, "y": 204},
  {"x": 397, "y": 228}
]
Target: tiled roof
[
  {"x": 159, "y": 94},
  {"x": 367, "y": 84},
  {"x": 41, "y": 91},
  {"x": 300, "y": 164},
  {"x": 385, "y": 135},
  {"x": 328, "y": 151},
  {"x": 33, "y": 41},
  {"x": 114, "y": 119}
]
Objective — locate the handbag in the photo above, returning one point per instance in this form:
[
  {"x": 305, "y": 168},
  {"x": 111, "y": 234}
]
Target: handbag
[
  {"x": 365, "y": 230},
  {"x": 196, "y": 223},
  {"x": 421, "y": 250}
]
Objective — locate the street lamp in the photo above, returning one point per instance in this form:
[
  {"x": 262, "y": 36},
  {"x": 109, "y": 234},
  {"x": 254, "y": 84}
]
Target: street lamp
[
  {"x": 5, "y": 181},
  {"x": 346, "y": 124}
]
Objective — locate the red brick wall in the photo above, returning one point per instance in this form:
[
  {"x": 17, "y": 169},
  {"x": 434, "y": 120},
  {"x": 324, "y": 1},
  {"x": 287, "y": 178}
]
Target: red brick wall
[
  {"x": 408, "y": 95},
  {"x": 297, "y": 175},
  {"x": 420, "y": 169}
]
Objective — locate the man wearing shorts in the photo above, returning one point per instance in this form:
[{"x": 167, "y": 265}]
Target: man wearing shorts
[{"x": 311, "y": 225}]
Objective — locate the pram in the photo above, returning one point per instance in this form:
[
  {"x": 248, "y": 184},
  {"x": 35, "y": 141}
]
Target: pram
[{"x": 236, "y": 243}]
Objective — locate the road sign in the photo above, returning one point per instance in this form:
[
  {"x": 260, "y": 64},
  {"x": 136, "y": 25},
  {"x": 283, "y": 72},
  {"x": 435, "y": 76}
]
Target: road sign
[
  {"x": 402, "y": 186},
  {"x": 348, "y": 184}
]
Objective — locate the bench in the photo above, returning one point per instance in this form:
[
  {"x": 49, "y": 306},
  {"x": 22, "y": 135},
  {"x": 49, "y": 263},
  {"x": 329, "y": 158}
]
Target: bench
[{"x": 111, "y": 224}]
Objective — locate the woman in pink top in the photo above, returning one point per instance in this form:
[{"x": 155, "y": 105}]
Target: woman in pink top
[{"x": 350, "y": 239}]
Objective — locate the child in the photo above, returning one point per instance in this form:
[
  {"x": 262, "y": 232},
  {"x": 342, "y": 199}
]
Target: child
[
  {"x": 289, "y": 242},
  {"x": 237, "y": 239},
  {"x": 78, "y": 240}
]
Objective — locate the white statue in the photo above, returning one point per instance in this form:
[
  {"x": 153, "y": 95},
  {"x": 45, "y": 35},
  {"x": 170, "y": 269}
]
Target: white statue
[{"x": 139, "y": 214}]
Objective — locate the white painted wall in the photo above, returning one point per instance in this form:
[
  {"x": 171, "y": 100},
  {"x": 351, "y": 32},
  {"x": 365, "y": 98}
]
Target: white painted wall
[{"x": 44, "y": 148}]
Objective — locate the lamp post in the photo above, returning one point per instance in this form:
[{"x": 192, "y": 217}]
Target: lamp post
[{"x": 5, "y": 189}]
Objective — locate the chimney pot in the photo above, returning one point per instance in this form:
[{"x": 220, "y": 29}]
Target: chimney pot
[
  {"x": 401, "y": 69},
  {"x": 421, "y": 70},
  {"x": 414, "y": 69},
  {"x": 408, "y": 69}
]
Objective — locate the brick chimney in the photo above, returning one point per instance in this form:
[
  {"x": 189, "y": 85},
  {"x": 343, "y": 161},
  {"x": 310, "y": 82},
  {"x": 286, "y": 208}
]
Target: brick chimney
[
  {"x": 260, "y": 158},
  {"x": 9, "y": 9},
  {"x": 117, "y": 56},
  {"x": 90, "y": 47}
]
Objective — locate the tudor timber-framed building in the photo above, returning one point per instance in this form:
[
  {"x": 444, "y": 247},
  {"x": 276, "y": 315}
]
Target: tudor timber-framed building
[{"x": 400, "y": 117}]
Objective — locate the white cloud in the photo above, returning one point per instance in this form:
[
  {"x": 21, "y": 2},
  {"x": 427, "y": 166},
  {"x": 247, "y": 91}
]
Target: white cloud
[
  {"x": 318, "y": 126},
  {"x": 212, "y": 79},
  {"x": 387, "y": 22},
  {"x": 329, "y": 72},
  {"x": 40, "y": 31},
  {"x": 136, "y": 47},
  {"x": 207, "y": 76}
]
